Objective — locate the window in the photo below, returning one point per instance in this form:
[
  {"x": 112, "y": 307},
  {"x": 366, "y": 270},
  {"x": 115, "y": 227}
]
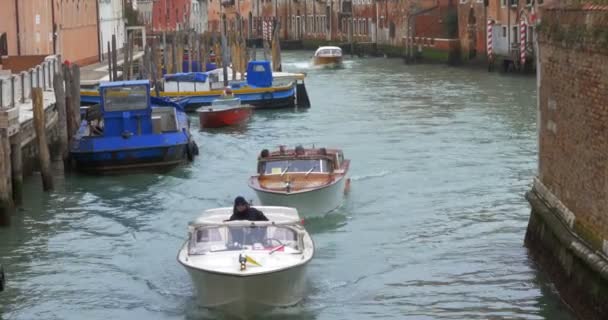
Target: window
[
  {"x": 530, "y": 34},
  {"x": 125, "y": 98},
  {"x": 503, "y": 3},
  {"x": 515, "y": 35},
  {"x": 504, "y": 32}
]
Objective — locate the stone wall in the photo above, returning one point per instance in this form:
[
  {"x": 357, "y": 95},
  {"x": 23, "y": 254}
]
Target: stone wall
[
  {"x": 568, "y": 229},
  {"x": 573, "y": 109}
]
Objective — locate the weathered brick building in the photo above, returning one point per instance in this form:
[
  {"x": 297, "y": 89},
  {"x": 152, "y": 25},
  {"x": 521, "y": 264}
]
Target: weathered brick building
[
  {"x": 568, "y": 228},
  {"x": 510, "y": 24},
  {"x": 175, "y": 15}
]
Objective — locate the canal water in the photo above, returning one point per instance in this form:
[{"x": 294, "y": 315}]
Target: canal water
[{"x": 433, "y": 227}]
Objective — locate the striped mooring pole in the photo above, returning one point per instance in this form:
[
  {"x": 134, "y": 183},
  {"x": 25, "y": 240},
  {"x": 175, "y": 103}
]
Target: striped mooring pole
[
  {"x": 489, "y": 48},
  {"x": 522, "y": 41}
]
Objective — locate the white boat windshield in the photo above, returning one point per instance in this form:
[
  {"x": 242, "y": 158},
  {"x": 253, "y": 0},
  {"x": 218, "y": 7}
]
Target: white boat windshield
[
  {"x": 226, "y": 238},
  {"x": 125, "y": 98},
  {"x": 300, "y": 165},
  {"x": 329, "y": 52},
  {"x": 225, "y": 103}
]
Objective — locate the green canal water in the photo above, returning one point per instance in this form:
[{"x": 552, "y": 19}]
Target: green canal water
[{"x": 433, "y": 227}]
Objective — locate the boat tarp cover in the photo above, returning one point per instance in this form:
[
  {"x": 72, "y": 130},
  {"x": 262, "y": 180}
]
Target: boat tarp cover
[{"x": 187, "y": 77}]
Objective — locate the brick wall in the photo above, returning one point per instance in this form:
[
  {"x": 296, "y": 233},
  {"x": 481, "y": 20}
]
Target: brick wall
[{"x": 573, "y": 123}]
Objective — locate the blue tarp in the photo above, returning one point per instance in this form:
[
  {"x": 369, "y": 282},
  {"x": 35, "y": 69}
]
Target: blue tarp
[{"x": 187, "y": 77}]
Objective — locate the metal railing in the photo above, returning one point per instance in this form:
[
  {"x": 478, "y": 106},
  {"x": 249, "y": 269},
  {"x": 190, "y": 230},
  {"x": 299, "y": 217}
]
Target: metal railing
[{"x": 17, "y": 88}]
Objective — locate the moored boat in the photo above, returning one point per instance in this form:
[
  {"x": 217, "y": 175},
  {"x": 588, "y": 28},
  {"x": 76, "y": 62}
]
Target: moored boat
[
  {"x": 130, "y": 131},
  {"x": 328, "y": 56},
  {"x": 224, "y": 112},
  {"x": 312, "y": 180},
  {"x": 262, "y": 88},
  {"x": 245, "y": 268}
]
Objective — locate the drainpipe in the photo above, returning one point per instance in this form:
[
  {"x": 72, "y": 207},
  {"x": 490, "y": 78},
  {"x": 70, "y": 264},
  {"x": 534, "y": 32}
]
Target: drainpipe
[{"x": 18, "y": 32}]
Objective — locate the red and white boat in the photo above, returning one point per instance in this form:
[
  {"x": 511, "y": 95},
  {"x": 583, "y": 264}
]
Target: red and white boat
[{"x": 224, "y": 112}]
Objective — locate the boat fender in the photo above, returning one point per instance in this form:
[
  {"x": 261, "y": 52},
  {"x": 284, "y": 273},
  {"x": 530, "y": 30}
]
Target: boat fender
[
  {"x": 2, "y": 279},
  {"x": 191, "y": 150}
]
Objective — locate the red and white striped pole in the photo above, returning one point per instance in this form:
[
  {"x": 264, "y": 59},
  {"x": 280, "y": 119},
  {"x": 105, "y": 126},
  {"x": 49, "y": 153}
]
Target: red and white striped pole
[
  {"x": 489, "y": 48},
  {"x": 522, "y": 41}
]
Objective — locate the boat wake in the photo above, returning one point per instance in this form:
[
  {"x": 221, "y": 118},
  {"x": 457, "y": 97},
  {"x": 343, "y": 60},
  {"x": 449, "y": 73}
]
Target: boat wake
[{"x": 370, "y": 176}]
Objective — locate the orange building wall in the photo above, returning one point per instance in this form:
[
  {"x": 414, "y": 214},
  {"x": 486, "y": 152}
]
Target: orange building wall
[
  {"x": 78, "y": 33},
  {"x": 8, "y": 24},
  {"x": 35, "y": 27}
]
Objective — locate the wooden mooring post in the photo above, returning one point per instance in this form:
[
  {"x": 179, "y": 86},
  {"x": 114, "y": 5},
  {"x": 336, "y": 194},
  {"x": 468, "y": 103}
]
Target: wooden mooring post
[
  {"x": 73, "y": 110},
  {"x": 6, "y": 199},
  {"x": 43, "y": 148},
  {"x": 62, "y": 114},
  {"x": 114, "y": 59},
  {"x": 109, "y": 62},
  {"x": 17, "y": 168}
]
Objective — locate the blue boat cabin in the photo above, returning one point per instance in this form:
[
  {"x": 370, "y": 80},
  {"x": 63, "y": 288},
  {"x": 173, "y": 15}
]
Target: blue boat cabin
[{"x": 127, "y": 110}]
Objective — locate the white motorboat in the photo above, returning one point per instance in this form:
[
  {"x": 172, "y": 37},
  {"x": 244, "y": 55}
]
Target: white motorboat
[
  {"x": 311, "y": 180},
  {"x": 245, "y": 267},
  {"x": 328, "y": 56}
]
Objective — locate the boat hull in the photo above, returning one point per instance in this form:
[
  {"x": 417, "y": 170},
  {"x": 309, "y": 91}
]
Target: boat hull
[
  {"x": 260, "y": 98},
  {"x": 245, "y": 296},
  {"x": 131, "y": 160},
  {"x": 209, "y": 118},
  {"x": 314, "y": 203},
  {"x": 328, "y": 61}
]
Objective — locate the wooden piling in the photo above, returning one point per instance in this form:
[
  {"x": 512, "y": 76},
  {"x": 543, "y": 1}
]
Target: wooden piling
[
  {"x": 114, "y": 59},
  {"x": 204, "y": 51},
  {"x": 67, "y": 78},
  {"x": 191, "y": 54},
  {"x": 73, "y": 109},
  {"x": 43, "y": 148},
  {"x": 180, "y": 53},
  {"x": 165, "y": 52},
  {"x": 6, "y": 199},
  {"x": 17, "y": 168},
  {"x": 62, "y": 114},
  {"x": 154, "y": 70},
  {"x": 174, "y": 54},
  {"x": 109, "y": 62}
]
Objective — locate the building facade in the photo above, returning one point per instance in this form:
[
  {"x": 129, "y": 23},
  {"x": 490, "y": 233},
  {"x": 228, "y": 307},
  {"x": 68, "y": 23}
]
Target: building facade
[
  {"x": 178, "y": 15},
  {"x": 111, "y": 22},
  {"x": 38, "y": 27}
]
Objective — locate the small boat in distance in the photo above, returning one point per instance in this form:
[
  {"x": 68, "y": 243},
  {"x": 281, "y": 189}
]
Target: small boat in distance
[
  {"x": 224, "y": 112},
  {"x": 328, "y": 56},
  {"x": 311, "y": 180},
  {"x": 243, "y": 267},
  {"x": 130, "y": 131}
]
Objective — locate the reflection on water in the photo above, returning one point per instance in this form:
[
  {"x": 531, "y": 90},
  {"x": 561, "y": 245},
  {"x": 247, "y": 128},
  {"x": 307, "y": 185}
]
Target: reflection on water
[{"x": 432, "y": 228}]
